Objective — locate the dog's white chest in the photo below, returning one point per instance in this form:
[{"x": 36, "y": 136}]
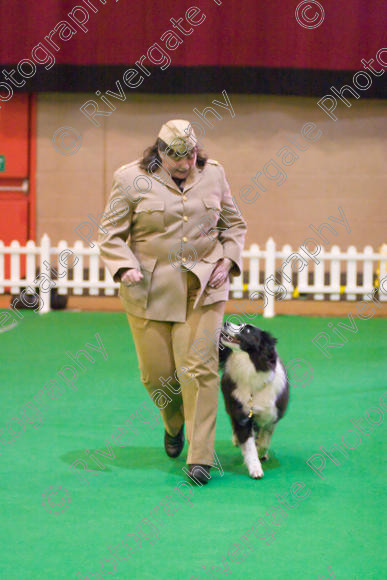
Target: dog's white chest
[{"x": 256, "y": 390}]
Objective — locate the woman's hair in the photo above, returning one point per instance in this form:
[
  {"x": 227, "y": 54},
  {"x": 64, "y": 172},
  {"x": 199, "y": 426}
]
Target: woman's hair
[{"x": 151, "y": 155}]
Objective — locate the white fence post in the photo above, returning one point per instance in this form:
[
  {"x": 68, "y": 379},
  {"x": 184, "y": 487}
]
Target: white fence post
[
  {"x": 335, "y": 274},
  {"x": 108, "y": 291},
  {"x": 287, "y": 272},
  {"x": 45, "y": 256},
  {"x": 78, "y": 268},
  {"x": 351, "y": 275},
  {"x": 30, "y": 263},
  {"x": 319, "y": 274},
  {"x": 303, "y": 277},
  {"x": 62, "y": 270},
  {"x": 368, "y": 282},
  {"x": 268, "y": 311},
  {"x": 237, "y": 285},
  {"x": 94, "y": 273},
  {"x": 15, "y": 266}
]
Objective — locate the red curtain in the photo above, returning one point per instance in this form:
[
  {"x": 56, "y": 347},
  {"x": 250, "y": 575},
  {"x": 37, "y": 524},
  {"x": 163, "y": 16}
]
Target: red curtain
[{"x": 234, "y": 32}]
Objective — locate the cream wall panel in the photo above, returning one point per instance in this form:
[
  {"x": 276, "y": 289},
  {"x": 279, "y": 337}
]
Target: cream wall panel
[{"x": 343, "y": 168}]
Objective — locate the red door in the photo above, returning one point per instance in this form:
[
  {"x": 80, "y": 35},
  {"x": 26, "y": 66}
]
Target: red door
[{"x": 17, "y": 170}]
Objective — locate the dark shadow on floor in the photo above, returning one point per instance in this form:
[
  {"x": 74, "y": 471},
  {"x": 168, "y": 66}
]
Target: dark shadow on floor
[{"x": 129, "y": 457}]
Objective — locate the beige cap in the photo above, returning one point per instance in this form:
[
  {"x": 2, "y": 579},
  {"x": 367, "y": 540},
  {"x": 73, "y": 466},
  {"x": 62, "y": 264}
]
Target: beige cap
[{"x": 178, "y": 135}]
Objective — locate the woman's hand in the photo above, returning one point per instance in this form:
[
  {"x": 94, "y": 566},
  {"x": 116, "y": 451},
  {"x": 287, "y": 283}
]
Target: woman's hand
[
  {"x": 131, "y": 276},
  {"x": 220, "y": 272}
]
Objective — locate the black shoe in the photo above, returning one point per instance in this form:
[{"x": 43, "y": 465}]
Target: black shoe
[
  {"x": 200, "y": 472},
  {"x": 174, "y": 445}
]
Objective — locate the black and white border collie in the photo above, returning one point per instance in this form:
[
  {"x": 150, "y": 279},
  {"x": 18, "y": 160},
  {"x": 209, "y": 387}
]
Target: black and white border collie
[{"x": 255, "y": 389}]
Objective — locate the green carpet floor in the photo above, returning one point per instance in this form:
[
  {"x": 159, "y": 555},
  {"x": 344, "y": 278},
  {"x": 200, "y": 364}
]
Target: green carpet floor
[{"x": 336, "y": 531}]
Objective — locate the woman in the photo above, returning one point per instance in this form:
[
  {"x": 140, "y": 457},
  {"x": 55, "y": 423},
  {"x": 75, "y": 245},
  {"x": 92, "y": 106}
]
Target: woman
[{"x": 173, "y": 249}]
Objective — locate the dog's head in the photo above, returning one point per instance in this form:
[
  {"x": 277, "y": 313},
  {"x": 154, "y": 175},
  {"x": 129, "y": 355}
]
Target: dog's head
[{"x": 259, "y": 344}]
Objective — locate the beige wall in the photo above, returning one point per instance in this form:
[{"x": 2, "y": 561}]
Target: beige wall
[{"x": 343, "y": 168}]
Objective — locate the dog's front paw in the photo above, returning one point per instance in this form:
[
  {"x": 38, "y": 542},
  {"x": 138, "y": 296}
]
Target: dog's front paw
[
  {"x": 256, "y": 471},
  {"x": 250, "y": 456}
]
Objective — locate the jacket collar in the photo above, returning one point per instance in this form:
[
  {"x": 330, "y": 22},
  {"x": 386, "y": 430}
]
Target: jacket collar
[{"x": 164, "y": 177}]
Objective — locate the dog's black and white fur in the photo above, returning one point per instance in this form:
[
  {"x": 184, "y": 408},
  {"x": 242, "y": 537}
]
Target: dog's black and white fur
[{"x": 255, "y": 389}]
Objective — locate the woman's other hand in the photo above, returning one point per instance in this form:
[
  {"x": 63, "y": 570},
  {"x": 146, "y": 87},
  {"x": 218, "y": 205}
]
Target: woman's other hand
[
  {"x": 131, "y": 276},
  {"x": 220, "y": 272}
]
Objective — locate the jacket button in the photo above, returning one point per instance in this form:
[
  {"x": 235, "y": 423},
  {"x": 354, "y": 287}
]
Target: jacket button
[
  {"x": 185, "y": 239},
  {"x": 185, "y": 197},
  {"x": 185, "y": 218}
]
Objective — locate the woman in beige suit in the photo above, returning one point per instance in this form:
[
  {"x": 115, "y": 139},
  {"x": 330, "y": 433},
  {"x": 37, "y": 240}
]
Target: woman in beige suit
[{"x": 173, "y": 248}]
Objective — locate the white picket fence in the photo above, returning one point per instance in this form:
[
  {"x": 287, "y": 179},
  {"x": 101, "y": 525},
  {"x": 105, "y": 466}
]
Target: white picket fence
[{"x": 89, "y": 276}]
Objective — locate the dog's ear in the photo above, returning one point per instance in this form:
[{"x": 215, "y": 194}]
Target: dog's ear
[
  {"x": 268, "y": 343},
  {"x": 268, "y": 338}
]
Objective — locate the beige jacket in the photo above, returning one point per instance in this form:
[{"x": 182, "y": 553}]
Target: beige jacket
[{"x": 168, "y": 231}]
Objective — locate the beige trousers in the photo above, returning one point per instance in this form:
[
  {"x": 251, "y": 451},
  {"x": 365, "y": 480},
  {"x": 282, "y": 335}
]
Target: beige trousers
[{"x": 178, "y": 362}]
